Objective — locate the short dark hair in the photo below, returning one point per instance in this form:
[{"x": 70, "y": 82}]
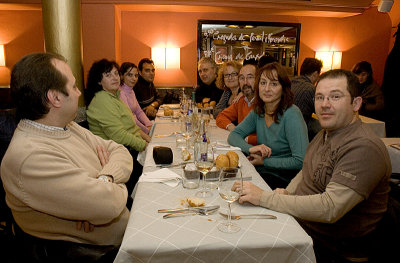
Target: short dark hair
[
  {"x": 264, "y": 60},
  {"x": 31, "y": 78},
  {"x": 287, "y": 97},
  {"x": 250, "y": 61},
  {"x": 95, "y": 76},
  {"x": 144, "y": 60},
  {"x": 352, "y": 80},
  {"x": 310, "y": 65},
  {"x": 363, "y": 66},
  {"x": 125, "y": 66}
]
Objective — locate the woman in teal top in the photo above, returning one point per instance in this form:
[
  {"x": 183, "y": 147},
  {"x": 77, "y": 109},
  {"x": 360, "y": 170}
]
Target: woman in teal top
[
  {"x": 281, "y": 131},
  {"x": 109, "y": 117}
]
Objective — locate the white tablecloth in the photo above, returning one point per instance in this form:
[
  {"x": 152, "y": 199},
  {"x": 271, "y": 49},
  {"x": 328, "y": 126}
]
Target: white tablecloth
[
  {"x": 150, "y": 238},
  {"x": 393, "y": 153}
]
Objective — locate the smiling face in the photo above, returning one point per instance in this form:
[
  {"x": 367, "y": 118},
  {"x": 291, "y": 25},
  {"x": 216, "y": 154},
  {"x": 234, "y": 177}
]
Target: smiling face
[
  {"x": 338, "y": 111},
  {"x": 148, "y": 72},
  {"x": 130, "y": 77},
  {"x": 270, "y": 90},
  {"x": 110, "y": 81},
  {"x": 231, "y": 78},
  {"x": 247, "y": 80}
]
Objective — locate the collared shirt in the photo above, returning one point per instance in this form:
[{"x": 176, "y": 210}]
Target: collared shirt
[
  {"x": 249, "y": 102},
  {"x": 44, "y": 126}
]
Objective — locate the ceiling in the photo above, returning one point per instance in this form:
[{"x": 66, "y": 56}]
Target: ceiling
[{"x": 322, "y": 8}]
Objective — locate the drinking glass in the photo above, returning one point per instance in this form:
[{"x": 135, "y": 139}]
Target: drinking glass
[
  {"x": 204, "y": 167},
  {"x": 227, "y": 178},
  {"x": 206, "y": 115}
]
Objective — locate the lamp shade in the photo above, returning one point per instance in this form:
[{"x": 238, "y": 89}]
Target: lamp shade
[
  {"x": 173, "y": 58},
  {"x": 158, "y": 57},
  {"x": 330, "y": 59},
  {"x": 2, "y": 56}
]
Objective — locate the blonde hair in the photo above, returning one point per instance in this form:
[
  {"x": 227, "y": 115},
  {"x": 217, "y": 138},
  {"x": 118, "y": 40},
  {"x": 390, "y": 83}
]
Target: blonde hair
[{"x": 220, "y": 79}]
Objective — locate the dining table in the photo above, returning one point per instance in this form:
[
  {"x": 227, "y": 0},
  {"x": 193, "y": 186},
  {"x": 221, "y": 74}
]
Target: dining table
[{"x": 195, "y": 238}]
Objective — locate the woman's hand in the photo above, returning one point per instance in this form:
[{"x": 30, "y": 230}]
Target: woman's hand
[
  {"x": 262, "y": 150},
  {"x": 144, "y": 136},
  {"x": 250, "y": 192},
  {"x": 255, "y": 159}
]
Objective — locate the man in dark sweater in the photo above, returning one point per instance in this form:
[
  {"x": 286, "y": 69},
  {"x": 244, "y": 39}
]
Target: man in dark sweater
[
  {"x": 303, "y": 88},
  {"x": 341, "y": 193},
  {"x": 146, "y": 94}
]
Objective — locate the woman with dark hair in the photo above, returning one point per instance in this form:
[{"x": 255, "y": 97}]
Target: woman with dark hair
[
  {"x": 109, "y": 117},
  {"x": 371, "y": 93},
  {"x": 281, "y": 131},
  {"x": 129, "y": 77}
]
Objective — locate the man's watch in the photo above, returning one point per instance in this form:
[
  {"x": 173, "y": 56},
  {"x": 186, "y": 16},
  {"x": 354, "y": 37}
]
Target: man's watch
[{"x": 106, "y": 178}]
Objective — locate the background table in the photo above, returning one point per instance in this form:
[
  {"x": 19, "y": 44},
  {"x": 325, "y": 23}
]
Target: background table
[
  {"x": 150, "y": 238},
  {"x": 393, "y": 153}
]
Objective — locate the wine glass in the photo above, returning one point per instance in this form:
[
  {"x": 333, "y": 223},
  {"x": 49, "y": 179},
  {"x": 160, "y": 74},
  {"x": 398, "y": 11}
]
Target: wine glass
[
  {"x": 204, "y": 165},
  {"x": 226, "y": 180},
  {"x": 206, "y": 115}
]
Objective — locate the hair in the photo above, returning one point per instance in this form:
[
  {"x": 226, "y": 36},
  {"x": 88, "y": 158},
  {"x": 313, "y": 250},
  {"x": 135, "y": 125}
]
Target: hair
[
  {"x": 144, "y": 60},
  {"x": 352, "y": 80},
  {"x": 287, "y": 97},
  {"x": 95, "y": 76},
  {"x": 310, "y": 65},
  {"x": 251, "y": 61},
  {"x": 125, "y": 67},
  {"x": 363, "y": 66},
  {"x": 264, "y": 60},
  {"x": 220, "y": 78},
  {"x": 31, "y": 79},
  {"x": 208, "y": 60}
]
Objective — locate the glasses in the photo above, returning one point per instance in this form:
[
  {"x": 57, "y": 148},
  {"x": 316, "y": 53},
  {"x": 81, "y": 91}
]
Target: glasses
[
  {"x": 331, "y": 98},
  {"x": 232, "y": 75},
  {"x": 248, "y": 77}
]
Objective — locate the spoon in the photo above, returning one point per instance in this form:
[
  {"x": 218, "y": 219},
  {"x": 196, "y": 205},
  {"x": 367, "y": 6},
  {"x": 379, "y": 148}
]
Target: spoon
[{"x": 250, "y": 216}]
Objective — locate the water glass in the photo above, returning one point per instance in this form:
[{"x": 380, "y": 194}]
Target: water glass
[
  {"x": 190, "y": 179},
  {"x": 181, "y": 141}
]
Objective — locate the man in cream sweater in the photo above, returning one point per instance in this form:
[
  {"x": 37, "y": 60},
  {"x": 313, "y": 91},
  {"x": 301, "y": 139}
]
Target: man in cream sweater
[
  {"x": 341, "y": 193},
  {"x": 64, "y": 185}
]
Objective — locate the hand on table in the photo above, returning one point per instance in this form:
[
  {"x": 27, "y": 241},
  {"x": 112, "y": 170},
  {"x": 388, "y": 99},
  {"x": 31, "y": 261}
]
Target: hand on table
[
  {"x": 150, "y": 111},
  {"x": 250, "y": 192},
  {"x": 262, "y": 150}
]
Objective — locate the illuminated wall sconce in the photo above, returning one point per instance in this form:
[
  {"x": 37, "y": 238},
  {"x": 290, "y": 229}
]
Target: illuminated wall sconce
[
  {"x": 330, "y": 59},
  {"x": 166, "y": 58},
  {"x": 2, "y": 57}
]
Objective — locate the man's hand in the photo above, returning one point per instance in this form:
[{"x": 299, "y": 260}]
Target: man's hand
[
  {"x": 150, "y": 111},
  {"x": 281, "y": 191},
  {"x": 87, "y": 227},
  {"x": 262, "y": 150},
  {"x": 103, "y": 155},
  {"x": 250, "y": 192}
]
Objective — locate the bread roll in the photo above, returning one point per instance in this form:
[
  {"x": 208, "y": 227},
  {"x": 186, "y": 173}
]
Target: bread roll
[
  {"x": 206, "y": 100},
  {"x": 185, "y": 155},
  {"x": 222, "y": 161},
  {"x": 195, "y": 202},
  {"x": 212, "y": 103},
  {"x": 233, "y": 159},
  {"x": 168, "y": 111}
]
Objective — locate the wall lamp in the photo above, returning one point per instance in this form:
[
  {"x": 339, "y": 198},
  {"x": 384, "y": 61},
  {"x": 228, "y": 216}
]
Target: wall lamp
[
  {"x": 2, "y": 56},
  {"x": 166, "y": 58},
  {"x": 330, "y": 59}
]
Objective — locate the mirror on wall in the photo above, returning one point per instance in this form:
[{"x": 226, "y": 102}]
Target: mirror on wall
[{"x": 240, "y": 40}]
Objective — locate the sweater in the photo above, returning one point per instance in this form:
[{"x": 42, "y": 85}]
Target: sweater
[
  {"x": 208, "y": 91},
  {"x": 236, "y": 113},
  {"x": 111, "y": 119},
  {"x": 50, "y": 179},
  {"x": 287, "y": 139},
  {"x": 128, "y": 96},
  {"x": 146, "y": 93},
  {"x": 304, "y": 92}
]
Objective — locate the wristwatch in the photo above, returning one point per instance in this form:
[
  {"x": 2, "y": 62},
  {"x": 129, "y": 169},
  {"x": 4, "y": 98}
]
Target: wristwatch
[{"x": 106, "y": 178}]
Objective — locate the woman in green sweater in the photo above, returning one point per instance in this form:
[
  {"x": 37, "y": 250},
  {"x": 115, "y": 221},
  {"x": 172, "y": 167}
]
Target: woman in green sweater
[
  {"x": 281, "y": 131},
  {"x": 109, "y": 117}
]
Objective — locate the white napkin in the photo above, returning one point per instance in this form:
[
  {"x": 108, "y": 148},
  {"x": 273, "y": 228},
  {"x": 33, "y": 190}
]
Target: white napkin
[
  {"x": 163, "y": 175},
  {"x": 228, "y": 148}
]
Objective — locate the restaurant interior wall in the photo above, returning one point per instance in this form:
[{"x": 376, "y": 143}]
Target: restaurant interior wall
[{"x": 365, "y": 36}]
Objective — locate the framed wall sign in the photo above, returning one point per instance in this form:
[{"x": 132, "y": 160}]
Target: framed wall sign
[{"x": 240, "y": 40}]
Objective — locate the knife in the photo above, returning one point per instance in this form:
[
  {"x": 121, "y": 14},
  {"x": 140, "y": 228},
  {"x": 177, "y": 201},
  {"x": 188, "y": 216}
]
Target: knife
[
  {"x": 172, "y": 165},
  {"x": 189, "y": 209}
]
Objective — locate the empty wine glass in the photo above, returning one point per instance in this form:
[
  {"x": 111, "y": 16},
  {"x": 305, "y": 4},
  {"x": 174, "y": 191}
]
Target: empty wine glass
[{"x": 227, "y": 178}]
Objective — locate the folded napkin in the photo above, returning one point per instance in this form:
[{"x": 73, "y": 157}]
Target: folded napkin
[
  {"x": 163, "y": 175},
  {"x": 228, "y": 148}
]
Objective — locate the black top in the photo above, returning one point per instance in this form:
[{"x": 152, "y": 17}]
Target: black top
[
  {"x": 146, "y": 93},
  {"x": 208, "y": 91}
]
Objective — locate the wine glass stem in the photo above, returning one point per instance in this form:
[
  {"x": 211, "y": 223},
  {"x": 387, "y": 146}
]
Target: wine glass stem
[
  {"x": 229, "y": 214},
  {"x": 204, "y": 181}
]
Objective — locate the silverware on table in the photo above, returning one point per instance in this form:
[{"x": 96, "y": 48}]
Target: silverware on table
[
  {"x": 190, "y": 209},
  {"x": 166, "y": 135},
  {"x": 193, "y": 212},
  {"x": 172, "y": 165},
  {"x": 250, "y": 216}
]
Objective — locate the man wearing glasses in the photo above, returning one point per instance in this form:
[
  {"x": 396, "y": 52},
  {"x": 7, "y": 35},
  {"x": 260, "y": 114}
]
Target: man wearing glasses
[
  {"x": 341, "y": 193},
  {"x": 207, "y": 73},
  {"x": 236, "y": 112}
]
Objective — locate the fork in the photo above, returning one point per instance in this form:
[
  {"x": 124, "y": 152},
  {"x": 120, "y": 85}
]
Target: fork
[
  {"x": 166, "y": 135},
  {"x": 199, "y": 212}
]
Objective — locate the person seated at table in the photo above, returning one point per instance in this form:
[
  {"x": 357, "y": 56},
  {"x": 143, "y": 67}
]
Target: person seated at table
[
  {"x": 207, "y": 69},
  {"x": 129, "y": 77},
  {"x": 109, "y": 117},
  {"x": 341, "y": 193},
  {"x": 146, "y": 94},
  {"x": 280, "y": 128},
  {"x": 239, "y": 110},
  {"x": 64, "y": 185},
  {"x": 264, "y": 60},
  {"x": 371, "y": 93},
  {"x": 228, "y": 81},
  {"x": 303, "y": 88}
]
